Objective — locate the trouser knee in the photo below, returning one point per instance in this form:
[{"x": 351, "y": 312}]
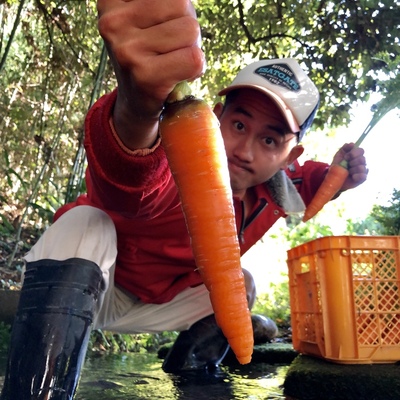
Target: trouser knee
[
  {"x": 83, "y": 232},
  {"x": 250, "y": 288}
]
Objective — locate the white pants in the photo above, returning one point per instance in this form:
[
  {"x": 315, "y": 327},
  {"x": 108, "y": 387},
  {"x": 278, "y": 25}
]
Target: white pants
[{"x": 89, "y": 233}]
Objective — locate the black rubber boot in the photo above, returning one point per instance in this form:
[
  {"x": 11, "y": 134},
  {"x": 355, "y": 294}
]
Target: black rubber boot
[
  {"x": 51, "y": 330},
  {"x": 202, "y": 347}
]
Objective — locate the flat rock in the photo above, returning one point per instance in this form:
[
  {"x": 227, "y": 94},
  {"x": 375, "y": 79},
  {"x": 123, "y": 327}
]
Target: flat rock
[{"x": 311, "y": 378}]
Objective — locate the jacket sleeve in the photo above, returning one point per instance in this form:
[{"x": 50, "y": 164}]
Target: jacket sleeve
[
  {"x": 118, "y": 179},
  {"x": 307, "y": 177}
]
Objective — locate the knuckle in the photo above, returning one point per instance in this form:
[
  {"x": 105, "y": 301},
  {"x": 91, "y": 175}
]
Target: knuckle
[
  {"x": 100, "y": 6},
  {"x": 196, "y": 58},
  {"x": 194, "y": 28},
  {"x": 184, "y": 6},
  {"x": 106, "y": 25}
]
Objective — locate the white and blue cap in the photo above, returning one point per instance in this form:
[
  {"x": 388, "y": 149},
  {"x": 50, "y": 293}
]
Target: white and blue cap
[{"x": 287, "y": 84}]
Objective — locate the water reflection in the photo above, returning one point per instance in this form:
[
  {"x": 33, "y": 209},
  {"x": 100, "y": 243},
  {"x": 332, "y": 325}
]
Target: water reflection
[{"x": 139, "y": 376}]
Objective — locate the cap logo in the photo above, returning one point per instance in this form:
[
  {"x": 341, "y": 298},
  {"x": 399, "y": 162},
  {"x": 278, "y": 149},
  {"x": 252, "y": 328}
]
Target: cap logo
[{"x": 279, "y": 74}]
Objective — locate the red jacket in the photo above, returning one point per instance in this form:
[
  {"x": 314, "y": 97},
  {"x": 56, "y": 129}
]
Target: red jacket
[{"x": 155, "y": 260}]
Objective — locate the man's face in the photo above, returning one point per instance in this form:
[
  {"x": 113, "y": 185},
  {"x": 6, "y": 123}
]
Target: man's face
[{"x": 257, "y": 140}]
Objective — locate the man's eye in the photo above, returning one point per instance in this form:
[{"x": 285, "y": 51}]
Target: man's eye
[
  {"x": 239, "y": 125},
  {"x": 271, "y": 142}
]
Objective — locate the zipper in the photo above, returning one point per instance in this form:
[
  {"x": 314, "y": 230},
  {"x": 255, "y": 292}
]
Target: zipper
[{"x": 245, "y": 223}]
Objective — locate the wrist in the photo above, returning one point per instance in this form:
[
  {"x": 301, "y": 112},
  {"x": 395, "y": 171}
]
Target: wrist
[{"x": 136, "y": 127}]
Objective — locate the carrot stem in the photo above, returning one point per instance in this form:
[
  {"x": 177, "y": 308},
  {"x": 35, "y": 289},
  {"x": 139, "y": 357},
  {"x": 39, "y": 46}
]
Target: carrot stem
[{"x": 182, "y": 91}]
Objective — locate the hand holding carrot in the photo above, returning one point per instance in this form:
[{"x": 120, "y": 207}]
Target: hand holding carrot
[
  {"x": 153, "y": 45},
  {"x": 348, "y": 170},
  {"x": 356, "y": 165}
]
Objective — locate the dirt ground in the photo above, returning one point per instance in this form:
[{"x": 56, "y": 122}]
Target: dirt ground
[{"x": 12, "y": 252}]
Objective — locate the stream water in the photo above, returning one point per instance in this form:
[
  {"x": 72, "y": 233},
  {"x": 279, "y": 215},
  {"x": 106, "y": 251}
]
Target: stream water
[{"x": 136, "y": 376}]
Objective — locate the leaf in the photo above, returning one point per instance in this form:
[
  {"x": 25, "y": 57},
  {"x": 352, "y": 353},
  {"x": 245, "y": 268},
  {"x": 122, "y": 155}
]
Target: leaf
[
  {"x": 7, "y": 227},
  {"x": 390, "y": 101}
]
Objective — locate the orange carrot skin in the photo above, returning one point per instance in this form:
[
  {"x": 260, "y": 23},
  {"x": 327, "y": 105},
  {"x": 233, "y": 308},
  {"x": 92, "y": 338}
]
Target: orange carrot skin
[
  {"x": 195, "y": 150},
  {"x": 332, "y": 183}
]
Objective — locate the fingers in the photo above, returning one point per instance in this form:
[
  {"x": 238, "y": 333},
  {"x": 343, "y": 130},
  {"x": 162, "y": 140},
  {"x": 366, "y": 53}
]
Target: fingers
[
  {"x": 358, "y": 174},
  {"x": 120, "y": 21},
  {"x": 169, "y": 37},
  {"x": 145, "y": 13},
  {"x": 153, "y": 44},
  {"x": 357, "y": 165},
  {"x": 355, "y": 159}
]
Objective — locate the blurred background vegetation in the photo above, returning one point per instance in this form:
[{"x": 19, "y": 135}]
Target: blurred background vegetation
[{"x": 53, "y": 67}]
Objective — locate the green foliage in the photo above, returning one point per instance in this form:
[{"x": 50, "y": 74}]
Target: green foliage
[
  {"x": 390, "y": 101},
  {"x": 275, "y": 303},
  {"x": 48, "y": 76},
  {"x": 105, "y": 341},
  {"x": 6, "y": 228},
  {"x": 296, "y": 233},
  {"x": 53, "y": 66},
  {"x": 388, "y": 217},
  {"x": 368, "y": 226},
  {"x": 340, "y": 43},
  {"x": 389, "y": 85},
  {"x": 5, "y": 337}
]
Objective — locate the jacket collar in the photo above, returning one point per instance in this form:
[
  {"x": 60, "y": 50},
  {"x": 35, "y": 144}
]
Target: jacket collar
[{"x": 285, "y": 193}]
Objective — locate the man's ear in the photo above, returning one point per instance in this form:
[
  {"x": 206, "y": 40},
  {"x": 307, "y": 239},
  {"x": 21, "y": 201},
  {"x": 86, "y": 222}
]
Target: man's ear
[
  {"x": 294, "y": 154},
  {"x": 218, "y": 109}
]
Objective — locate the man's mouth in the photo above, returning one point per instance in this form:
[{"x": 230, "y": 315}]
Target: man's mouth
[{"x": 239, "y": 167}]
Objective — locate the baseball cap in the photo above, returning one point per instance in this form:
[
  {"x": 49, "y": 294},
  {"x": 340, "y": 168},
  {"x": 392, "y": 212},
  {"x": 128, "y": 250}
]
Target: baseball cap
[{"x": 287, "y": 84}]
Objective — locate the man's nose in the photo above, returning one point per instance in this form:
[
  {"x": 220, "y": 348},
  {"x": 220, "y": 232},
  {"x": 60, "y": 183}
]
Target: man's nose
[{"x": 244, "y": 149}]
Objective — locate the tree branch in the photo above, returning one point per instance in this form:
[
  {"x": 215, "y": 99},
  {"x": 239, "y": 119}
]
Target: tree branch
[
  {"x": 11, "y": 38},
  {"x": 266, "y": 38}
]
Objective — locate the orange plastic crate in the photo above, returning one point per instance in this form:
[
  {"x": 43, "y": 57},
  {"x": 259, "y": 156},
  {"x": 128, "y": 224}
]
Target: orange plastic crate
[{"x": 345, "y": 298}]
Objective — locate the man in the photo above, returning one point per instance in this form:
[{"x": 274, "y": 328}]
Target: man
[{"x": 120, "y": 256}]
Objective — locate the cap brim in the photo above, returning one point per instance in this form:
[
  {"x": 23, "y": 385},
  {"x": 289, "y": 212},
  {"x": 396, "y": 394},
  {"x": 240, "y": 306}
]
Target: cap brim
[{"x": 286, "y": 112}]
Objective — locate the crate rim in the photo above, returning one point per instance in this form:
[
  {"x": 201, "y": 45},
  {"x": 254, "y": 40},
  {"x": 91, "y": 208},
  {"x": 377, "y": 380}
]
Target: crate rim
[{"x": 388, "y": 242}]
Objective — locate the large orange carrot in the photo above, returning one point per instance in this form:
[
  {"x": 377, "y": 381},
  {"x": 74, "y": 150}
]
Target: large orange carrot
[
  {"x": 331, "y": 184},
  {"x": 195, "y": 150}
]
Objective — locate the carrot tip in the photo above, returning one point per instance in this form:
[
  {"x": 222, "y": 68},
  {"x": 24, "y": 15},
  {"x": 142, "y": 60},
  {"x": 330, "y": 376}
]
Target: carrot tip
[
  {"x": 244, "y": 360},
  {"x": 332, "y": 183}
]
